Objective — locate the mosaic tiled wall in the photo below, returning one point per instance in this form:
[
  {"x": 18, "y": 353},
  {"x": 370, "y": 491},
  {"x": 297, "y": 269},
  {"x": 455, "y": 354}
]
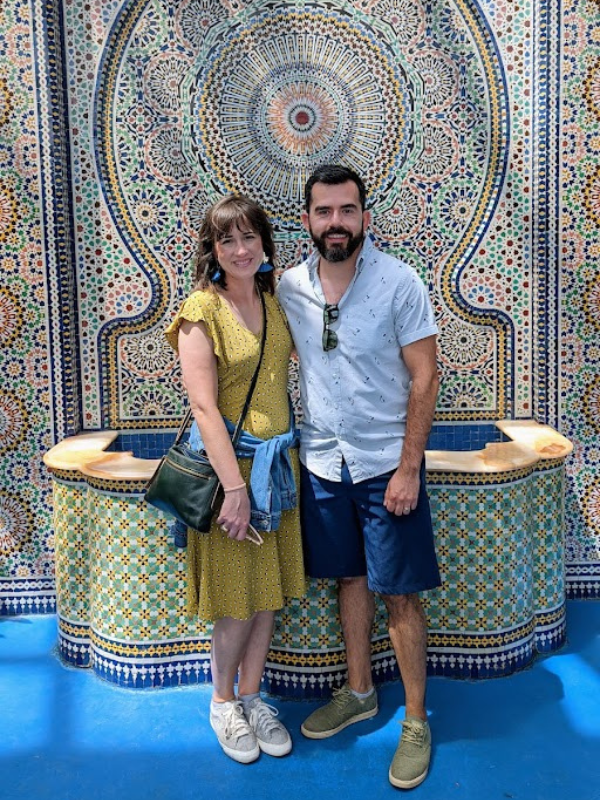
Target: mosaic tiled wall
[
  {"x": 580, "y": 291},
  {"x": 28, "y": 355},
  {"x": 120, "y": 121},
  {"x": 200, "y": 98}
]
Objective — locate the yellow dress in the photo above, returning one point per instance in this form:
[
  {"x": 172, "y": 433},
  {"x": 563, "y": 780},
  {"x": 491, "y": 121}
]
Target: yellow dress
[{"x": 227, "y": 578}]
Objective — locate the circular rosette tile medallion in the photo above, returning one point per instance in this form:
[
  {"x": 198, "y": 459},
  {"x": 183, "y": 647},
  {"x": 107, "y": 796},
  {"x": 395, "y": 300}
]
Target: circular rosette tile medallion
[
  {"x": 199, "y": 98},
  {"x": 270, "y": 100}
]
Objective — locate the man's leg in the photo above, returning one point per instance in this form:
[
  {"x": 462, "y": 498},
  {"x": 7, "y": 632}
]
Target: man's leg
[
  {"x": 357, "y": 612},
  {"x": 357, "y": 699},
  {"x": 408, "y": 632},
  {"x": 334, "y": 548}
]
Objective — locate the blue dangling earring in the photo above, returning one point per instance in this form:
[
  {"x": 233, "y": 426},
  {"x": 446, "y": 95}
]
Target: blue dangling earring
[
  {"x": 265, "y": 266},
  {"x": 216, "y": 275}
]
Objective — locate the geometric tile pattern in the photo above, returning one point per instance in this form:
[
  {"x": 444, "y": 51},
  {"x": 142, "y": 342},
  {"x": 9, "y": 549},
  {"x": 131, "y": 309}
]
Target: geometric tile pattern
[
  {"x": 138, "y": 578},
  {"x": 121, "y": 588},
  {"x": 178, "y": 126},
  {"x": 580, "y": 356},
  {"x": 72, "y": 537},
  {"x": 547, "y": 511},
  {"x": 73, "y": 592},
  {"x": 498, "y": 214},
  {"x": 483, "y": 538},
  {"x": 26, "y": 418}
]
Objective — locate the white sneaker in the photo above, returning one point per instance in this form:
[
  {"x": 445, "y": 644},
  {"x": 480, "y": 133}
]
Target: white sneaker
[
  {"x": 235, "y": 735},
  {"x": 273, "y": 737}
]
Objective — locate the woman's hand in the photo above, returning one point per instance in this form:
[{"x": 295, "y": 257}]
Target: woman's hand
[{"x": 234, "y": 516}]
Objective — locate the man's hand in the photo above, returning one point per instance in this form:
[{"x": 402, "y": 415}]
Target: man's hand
[{"x": 402, "y": 493}]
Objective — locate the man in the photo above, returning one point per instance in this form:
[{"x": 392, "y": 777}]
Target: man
[{"x": 365, "y": 335}]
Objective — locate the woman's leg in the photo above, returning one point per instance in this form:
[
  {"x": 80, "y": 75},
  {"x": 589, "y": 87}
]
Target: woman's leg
[
  {"x": 272, "y": 736},
  {"x": 230, "y": 640},
  {"x": 240, "y": 646},
  {"x": 252, "y": 665}
]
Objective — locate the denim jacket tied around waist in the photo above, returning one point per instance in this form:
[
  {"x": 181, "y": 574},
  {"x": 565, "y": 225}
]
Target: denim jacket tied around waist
[{"x": 272, "y": 485}]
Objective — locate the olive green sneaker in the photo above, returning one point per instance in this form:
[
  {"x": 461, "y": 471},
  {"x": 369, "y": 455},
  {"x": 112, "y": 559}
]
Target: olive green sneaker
[
  {"x": 411, "y": 760},
  {"x": 343, "y": 710}
]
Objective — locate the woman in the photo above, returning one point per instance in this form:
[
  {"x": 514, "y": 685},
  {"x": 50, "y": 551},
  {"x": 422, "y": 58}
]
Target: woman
[{"x": 231, "y": 580}]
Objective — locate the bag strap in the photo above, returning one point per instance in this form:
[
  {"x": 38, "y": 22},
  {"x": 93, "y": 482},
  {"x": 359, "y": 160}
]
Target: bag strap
[{"x": 238, "y": 428}]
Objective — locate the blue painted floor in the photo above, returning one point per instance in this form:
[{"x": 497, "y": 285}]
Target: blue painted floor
[{"x": 67, "y": 735}]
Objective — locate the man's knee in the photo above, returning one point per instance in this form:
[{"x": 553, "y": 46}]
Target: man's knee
[
  {"x": 359, "y": 582},
  {"x": 401, "y": 606}
]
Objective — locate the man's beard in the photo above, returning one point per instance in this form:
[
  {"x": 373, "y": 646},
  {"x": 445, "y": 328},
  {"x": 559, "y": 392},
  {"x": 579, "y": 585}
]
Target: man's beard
[{"x": 337, "y": 253}]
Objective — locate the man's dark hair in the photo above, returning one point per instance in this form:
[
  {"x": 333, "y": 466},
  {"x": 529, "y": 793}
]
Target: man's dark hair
[{"x": 332, "y": 175}]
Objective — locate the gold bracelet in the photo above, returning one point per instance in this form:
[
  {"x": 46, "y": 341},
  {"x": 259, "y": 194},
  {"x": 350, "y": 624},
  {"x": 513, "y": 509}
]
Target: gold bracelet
[{"x": 235, "y": 488}]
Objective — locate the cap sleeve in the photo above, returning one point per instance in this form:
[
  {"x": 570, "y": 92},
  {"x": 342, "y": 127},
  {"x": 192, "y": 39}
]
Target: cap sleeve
[
  {"x": 413, "y": 311},
  {"x": 199, "y": 307}
]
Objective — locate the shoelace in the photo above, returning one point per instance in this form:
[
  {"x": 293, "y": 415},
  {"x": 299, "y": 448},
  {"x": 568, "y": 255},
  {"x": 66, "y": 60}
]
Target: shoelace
[
  {"x": 234, "y": 721},
  {"x": 413, "y": 733},
  {"x": 340, "y": 696},
  {"x": 263, "y": 715}
]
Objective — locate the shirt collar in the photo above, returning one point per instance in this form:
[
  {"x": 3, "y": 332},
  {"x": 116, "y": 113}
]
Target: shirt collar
[{"x": 365, "y": 253}]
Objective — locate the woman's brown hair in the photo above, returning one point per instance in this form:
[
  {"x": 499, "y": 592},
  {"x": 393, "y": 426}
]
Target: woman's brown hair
[{"x": 241, "y": 212}]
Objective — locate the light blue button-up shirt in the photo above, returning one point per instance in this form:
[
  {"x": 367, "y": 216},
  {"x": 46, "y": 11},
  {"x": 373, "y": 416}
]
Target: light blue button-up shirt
[{"x": 355, "y": 397}]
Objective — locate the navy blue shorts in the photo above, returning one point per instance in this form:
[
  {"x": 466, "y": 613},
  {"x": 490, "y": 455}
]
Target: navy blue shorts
[{"x": 348, "y": 532}]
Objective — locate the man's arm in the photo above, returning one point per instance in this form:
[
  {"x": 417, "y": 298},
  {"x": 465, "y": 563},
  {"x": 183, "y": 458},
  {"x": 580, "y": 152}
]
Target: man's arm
[{"x": 403, "y": 489}]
